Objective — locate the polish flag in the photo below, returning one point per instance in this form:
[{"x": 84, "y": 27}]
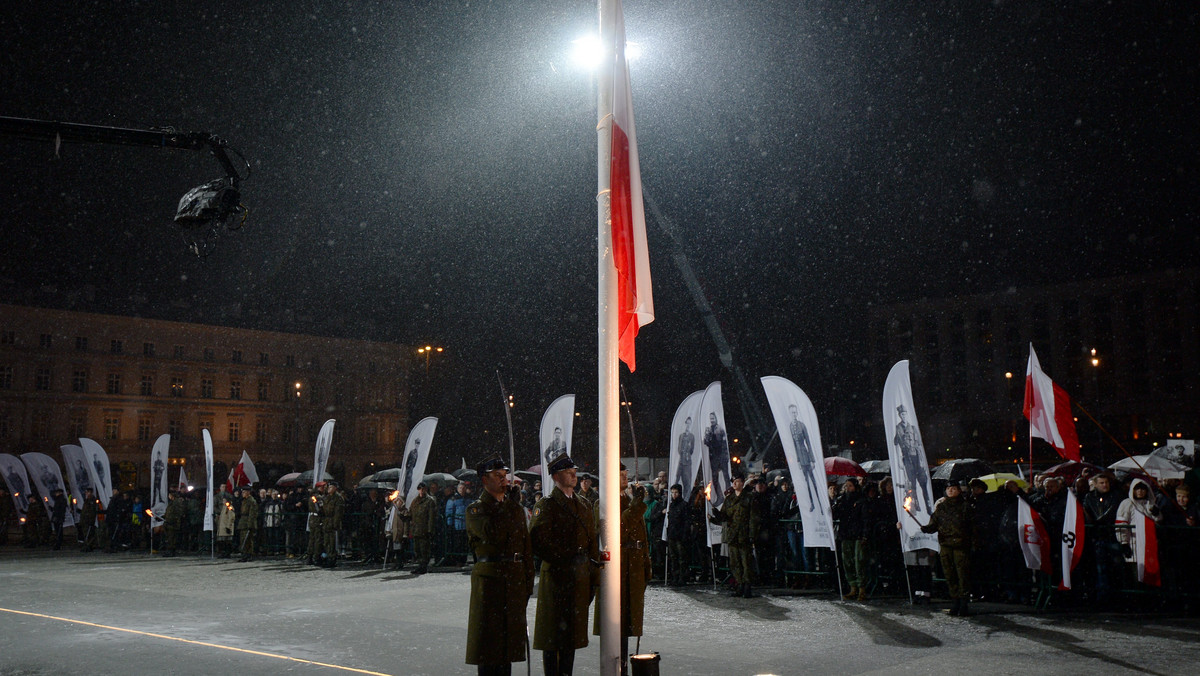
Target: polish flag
[
  {"x": 1035, "y": 543},
  {"x": 1048, "y": 409},
  {"x": 635, "y": 306},
  {"x": 243, "y": 474},
  {"x": 1072, "y": 539},
  {"x": 182, "y": 486},
  {"x": 1146, "y": 556}
]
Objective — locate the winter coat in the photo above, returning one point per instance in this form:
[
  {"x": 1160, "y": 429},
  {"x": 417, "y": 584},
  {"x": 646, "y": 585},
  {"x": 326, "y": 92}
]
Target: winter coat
[
  {"x": 1100, "y": 511},
  {"x": 1125, "y": 514},
  {"x": 635, "y": 566},
  {"x": 424, "y": 516},
  {"x": 500, "y": 583},
  {"x": 563, "y": 534},
  {"x": 739, "y": 518},
  {"x": 848, "y": 518},
  {"x": 952, "y": 521}
]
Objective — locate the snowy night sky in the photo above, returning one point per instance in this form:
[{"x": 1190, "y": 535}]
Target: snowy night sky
[{"x": 424, "y": 172}]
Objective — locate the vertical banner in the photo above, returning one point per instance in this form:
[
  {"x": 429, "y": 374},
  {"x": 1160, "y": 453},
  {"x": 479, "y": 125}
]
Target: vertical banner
[
  {"x": 1072, "y": 538},
  {"x": 208, "y": 464},
  {"x": 416, "y": 454},
  {"x": 17, "y": 481},
  {"x": 1145, "y": 534},
  {"x": 554, "y": 434},
  {"x": 906, "y": 454},
  {"x": 796, "y": 420},
  {"x": 97, "y": 463},
  {"x": 78, "y": 478},
  {"x": 1035, "y": 543},
  {"x": 715, "y": 460},
  {"x": 321, "y": 452},
  {"x": 158, "y": 480},
  {"x": 45, "y": 475},
  {"x": 683, "y": 463}
]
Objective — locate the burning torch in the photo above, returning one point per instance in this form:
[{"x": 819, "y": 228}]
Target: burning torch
[{"x": 907, "y": 510}]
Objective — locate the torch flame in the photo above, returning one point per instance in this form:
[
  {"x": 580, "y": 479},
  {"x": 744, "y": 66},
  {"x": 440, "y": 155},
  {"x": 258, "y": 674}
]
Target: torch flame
[
  {"x": 908, "y": 503},
  {"x": 149, "y": 513},
  {"x": 394, "y": 496},
  {"x": 708, "y": 491}
]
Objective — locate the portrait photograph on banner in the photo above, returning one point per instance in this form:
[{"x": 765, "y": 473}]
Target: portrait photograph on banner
[
  {"x": 76, "y": 474},
  {"x": 554, "y": 434},
  {"x": 96, "y": 460},
  {"x": 716, "y": 463},
  {"x": 683, "y": 464},
  {"x": 416, "y": 455},
  {"x": 906, "y": 453},
  {"x": 796, "y": 420}
]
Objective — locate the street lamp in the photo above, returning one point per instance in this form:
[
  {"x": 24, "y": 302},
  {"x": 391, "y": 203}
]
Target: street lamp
[
  {"x": 296, "y": 435},
  {"x": 428, "y": 351}
]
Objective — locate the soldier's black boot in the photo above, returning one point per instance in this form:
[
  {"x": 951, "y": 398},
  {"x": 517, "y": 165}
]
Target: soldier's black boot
[{"x": 963, "y": 611}]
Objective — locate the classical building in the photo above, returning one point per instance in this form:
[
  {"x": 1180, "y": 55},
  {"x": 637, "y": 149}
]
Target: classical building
[
  {"x": 1126, "y": 349},
  {"x": 124, "y": 381}
]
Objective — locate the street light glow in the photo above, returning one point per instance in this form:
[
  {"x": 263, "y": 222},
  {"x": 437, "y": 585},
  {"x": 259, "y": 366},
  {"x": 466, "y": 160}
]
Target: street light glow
[{"x": 587, "y": 52}]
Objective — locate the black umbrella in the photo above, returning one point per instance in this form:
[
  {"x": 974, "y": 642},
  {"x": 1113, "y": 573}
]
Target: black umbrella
[{"x": 962, "y": 469}]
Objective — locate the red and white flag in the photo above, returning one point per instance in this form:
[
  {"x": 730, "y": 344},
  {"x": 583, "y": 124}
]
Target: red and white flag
[
  {"x": 182, "y": 486},
  {"x": 635, "y": 306},
  {"x": 1035, "y": 543},
  {"x": 1048, "y": 409},
  {"x": 1072, "y": 539},
  {"x": 243, "y": 474},
  {"x": 1146, "y": 554}
]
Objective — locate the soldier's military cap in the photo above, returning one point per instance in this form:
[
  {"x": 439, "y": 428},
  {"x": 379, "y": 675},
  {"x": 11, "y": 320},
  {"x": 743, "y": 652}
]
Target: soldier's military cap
[
  {"x": 560, "y": 463},
  {"x": 491, "y": 464}
]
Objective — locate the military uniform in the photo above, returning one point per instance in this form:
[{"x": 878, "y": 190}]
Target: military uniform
[
  {"x": 424, "y": 514},
  {"x": 331, "y": 522},
  {"x": 740, "y": 524},
  {"x": 501, "y": 581},
  {"x": 247, "y": 527},
  {"x": 635, "y": 566},
  {"x": 316, "y": 527},
  {"x": 952, "y": 520},
  {"x": 564, "y": 538},
  {"x": 173, "y": 521},
  {"x": 86, "y": 527}
]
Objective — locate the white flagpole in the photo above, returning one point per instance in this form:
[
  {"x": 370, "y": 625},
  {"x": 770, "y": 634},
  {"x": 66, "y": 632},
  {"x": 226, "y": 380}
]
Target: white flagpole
[{"x": 606, "y": 320}]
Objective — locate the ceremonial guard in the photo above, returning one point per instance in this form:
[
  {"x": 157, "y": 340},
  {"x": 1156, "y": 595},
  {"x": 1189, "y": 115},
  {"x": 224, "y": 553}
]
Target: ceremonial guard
[
  {"x": 173, "y": 522},
  {"x": 87, "y": 520},
  {"x": 740, "y": 524},
  {"x": 564, "y": 538},
  {"x": 502, "y": 577},
  {"x": 635, "y": 564},
  {"x": 247, "y": 525},
  {"x": 331, "y": 523},
  {"x": 424, "y": 519},
  {"x": 316, "y": 527}
]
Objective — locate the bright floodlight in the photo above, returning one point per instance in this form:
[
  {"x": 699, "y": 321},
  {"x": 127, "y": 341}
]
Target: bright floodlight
[{"x": 587, "y": 52}]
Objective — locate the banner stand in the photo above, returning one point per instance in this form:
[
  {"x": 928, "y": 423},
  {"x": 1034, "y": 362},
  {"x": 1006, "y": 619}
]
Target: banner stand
[{"x": 837, "y": 573}]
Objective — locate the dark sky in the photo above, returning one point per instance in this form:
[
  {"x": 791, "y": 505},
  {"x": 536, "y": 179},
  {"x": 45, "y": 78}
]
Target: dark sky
[{"x": 425, "y": 172}]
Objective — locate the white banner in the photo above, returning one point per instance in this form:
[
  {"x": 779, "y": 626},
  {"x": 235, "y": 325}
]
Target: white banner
[
  {"x": 158, "y": 480},
  {"x": 17, "y": 481},
  {"x": 321, "y": 452},
  {"x": 97, "y": 463},
  {"x": 1072, "y": 538},
  {"x": 208, "y": 464},
  {"x": 796, "y": 420},
  {"x": 683, "y": 464},
  {"x": 554, "y": 435},
  {"x": 78, "y": 478},
  {"x": 906, "y": 454},
  {"x": 416, "y": 454},
  {"x": 46, "y": 476},
  {"x": 715, "y": 461}
]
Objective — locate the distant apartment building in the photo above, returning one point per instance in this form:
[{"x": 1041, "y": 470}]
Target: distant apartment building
[
  {"x": 1126, "y": 349},
  {"x": 124, "y": 381}
]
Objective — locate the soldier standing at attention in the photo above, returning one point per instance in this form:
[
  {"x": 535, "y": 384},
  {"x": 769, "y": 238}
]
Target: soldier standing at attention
[
  {"x": 564, "y": 538},
  {"x": 741, "y": 522},
  {"x": 951, "y": 520},
  {"x": 247, "y": 525},
  {"x": 316, "y": 527},
  {"x": 502, "y": 577},
  {"x": 424, "y": 519},
  {"x": 331, "y": 522},
  {"x": 173, "y": 522},
  {"x": 635, "y": 564}
]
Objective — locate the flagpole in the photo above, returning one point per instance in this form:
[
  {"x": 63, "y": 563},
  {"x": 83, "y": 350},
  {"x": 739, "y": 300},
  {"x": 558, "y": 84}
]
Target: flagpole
[{"x": 606, "y": 320}]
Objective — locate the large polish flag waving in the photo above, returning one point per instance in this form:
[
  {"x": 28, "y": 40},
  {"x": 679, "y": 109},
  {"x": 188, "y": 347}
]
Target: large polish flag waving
[
  {"x": 635, "y": 306},
  {"x": 243, "y": 474},
  {"x": 1048, "y": 409},
  {"x": 1035, "y": 543}
]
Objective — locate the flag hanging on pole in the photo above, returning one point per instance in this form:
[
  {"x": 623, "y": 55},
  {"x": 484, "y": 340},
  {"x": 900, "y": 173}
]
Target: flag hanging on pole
[
  {"x": 1048, "y": 409},
  {"x": 1072, "y": 538},
  {"x": 1145, "y": 534},
  {"x": 243, "y": 474},
  {"x": 1035, "y": 543},
  {"x": 182, "y": 486},
  {"x": 635, "y": 306}
]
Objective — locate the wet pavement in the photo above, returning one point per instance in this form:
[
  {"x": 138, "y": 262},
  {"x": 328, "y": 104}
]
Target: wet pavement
[{"x": 129, "y": 613}]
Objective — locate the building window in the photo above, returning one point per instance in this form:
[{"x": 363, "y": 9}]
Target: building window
[
  {"x": 174, "y": 428},
  {"x": 78, "y": 425},
  {"x": 371, "y": 435},
  {"x": 8, "y": 338},
  {"x": 263, "y": 359},
  {"x": 147, "y": 389},
  {"x": 41, "y": 380},
  {"x": 41, "y": 425},
  {"x": 177, "y": 352},
  {"x": 289, "y": 434},
  {"x": 114, "y": 383},
  {"x": 208, "y": 354},
  {"x": 371, "y": 367},
  {"x": 79, "y": 381},
  {"x": 206, "y": 388},
  {"x": 205, "y": 424},
  {"x": 147, "y": 349},
  {"x": 5, "y": 426},
  {"x": 260, "y": 431},
  {"x": 5, "y": 377},
  {"x": 80, "y": 344},
  {"x": 116, "y": 347},
  {"x": 236, "y": 357},
  {"x": 264, "y": 390},
  {"x": 45, "y": 341},
  {"x": 112, "y": 427},
  {"x": 338, "y": 398},
  {"x": 235, "y": 389},
  {"x": 235, "y": 431},
  {"x": 290, "y": 360},
  {"x": 144, "y": 425},
  {"x": 176, "y": 386}
]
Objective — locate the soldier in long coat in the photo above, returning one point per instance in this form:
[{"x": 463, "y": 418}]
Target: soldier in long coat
[
  {"x": 740, "y": 521},
  {"x": 564, "y": 538},
  {"x": 424, "y": 519},
  {"x": 502, "y": 577},
  {"x": 173, "y": 522},
  {"x": 635, "y": 564},
  {"x": 247, "y": 525},
  {"x": 332, "y": 511}
]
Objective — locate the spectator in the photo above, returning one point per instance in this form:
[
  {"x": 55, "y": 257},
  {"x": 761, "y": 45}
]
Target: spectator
[
  {"x": 1100, "y": 513},
  {"x": 951, "y": 520},
  {"x": 456, "y": 526},
  {"x": 848, "y": 524},
  {"x": 1138, "y": 501}
]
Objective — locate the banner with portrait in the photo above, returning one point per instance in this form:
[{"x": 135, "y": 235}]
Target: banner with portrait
[
  {"x": 44, "y": 473},
  {"x": 554, "y": 435},
  {"x": 416, "y": 454},
  {"x": 158, "y": 480},
  {"x": 906, "y": 454},
  {"x": 97, "y": 463},
  {"x": 17, "y": 480},
  {"x": 208, "y": 466},
  {"x": 78, "y": 478},
  {"x": 683, "y": 464},
  {"x": 715, "y": 458},
  {"x": 796, "y": 420},
  {"x": 321, "y": 451}
]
